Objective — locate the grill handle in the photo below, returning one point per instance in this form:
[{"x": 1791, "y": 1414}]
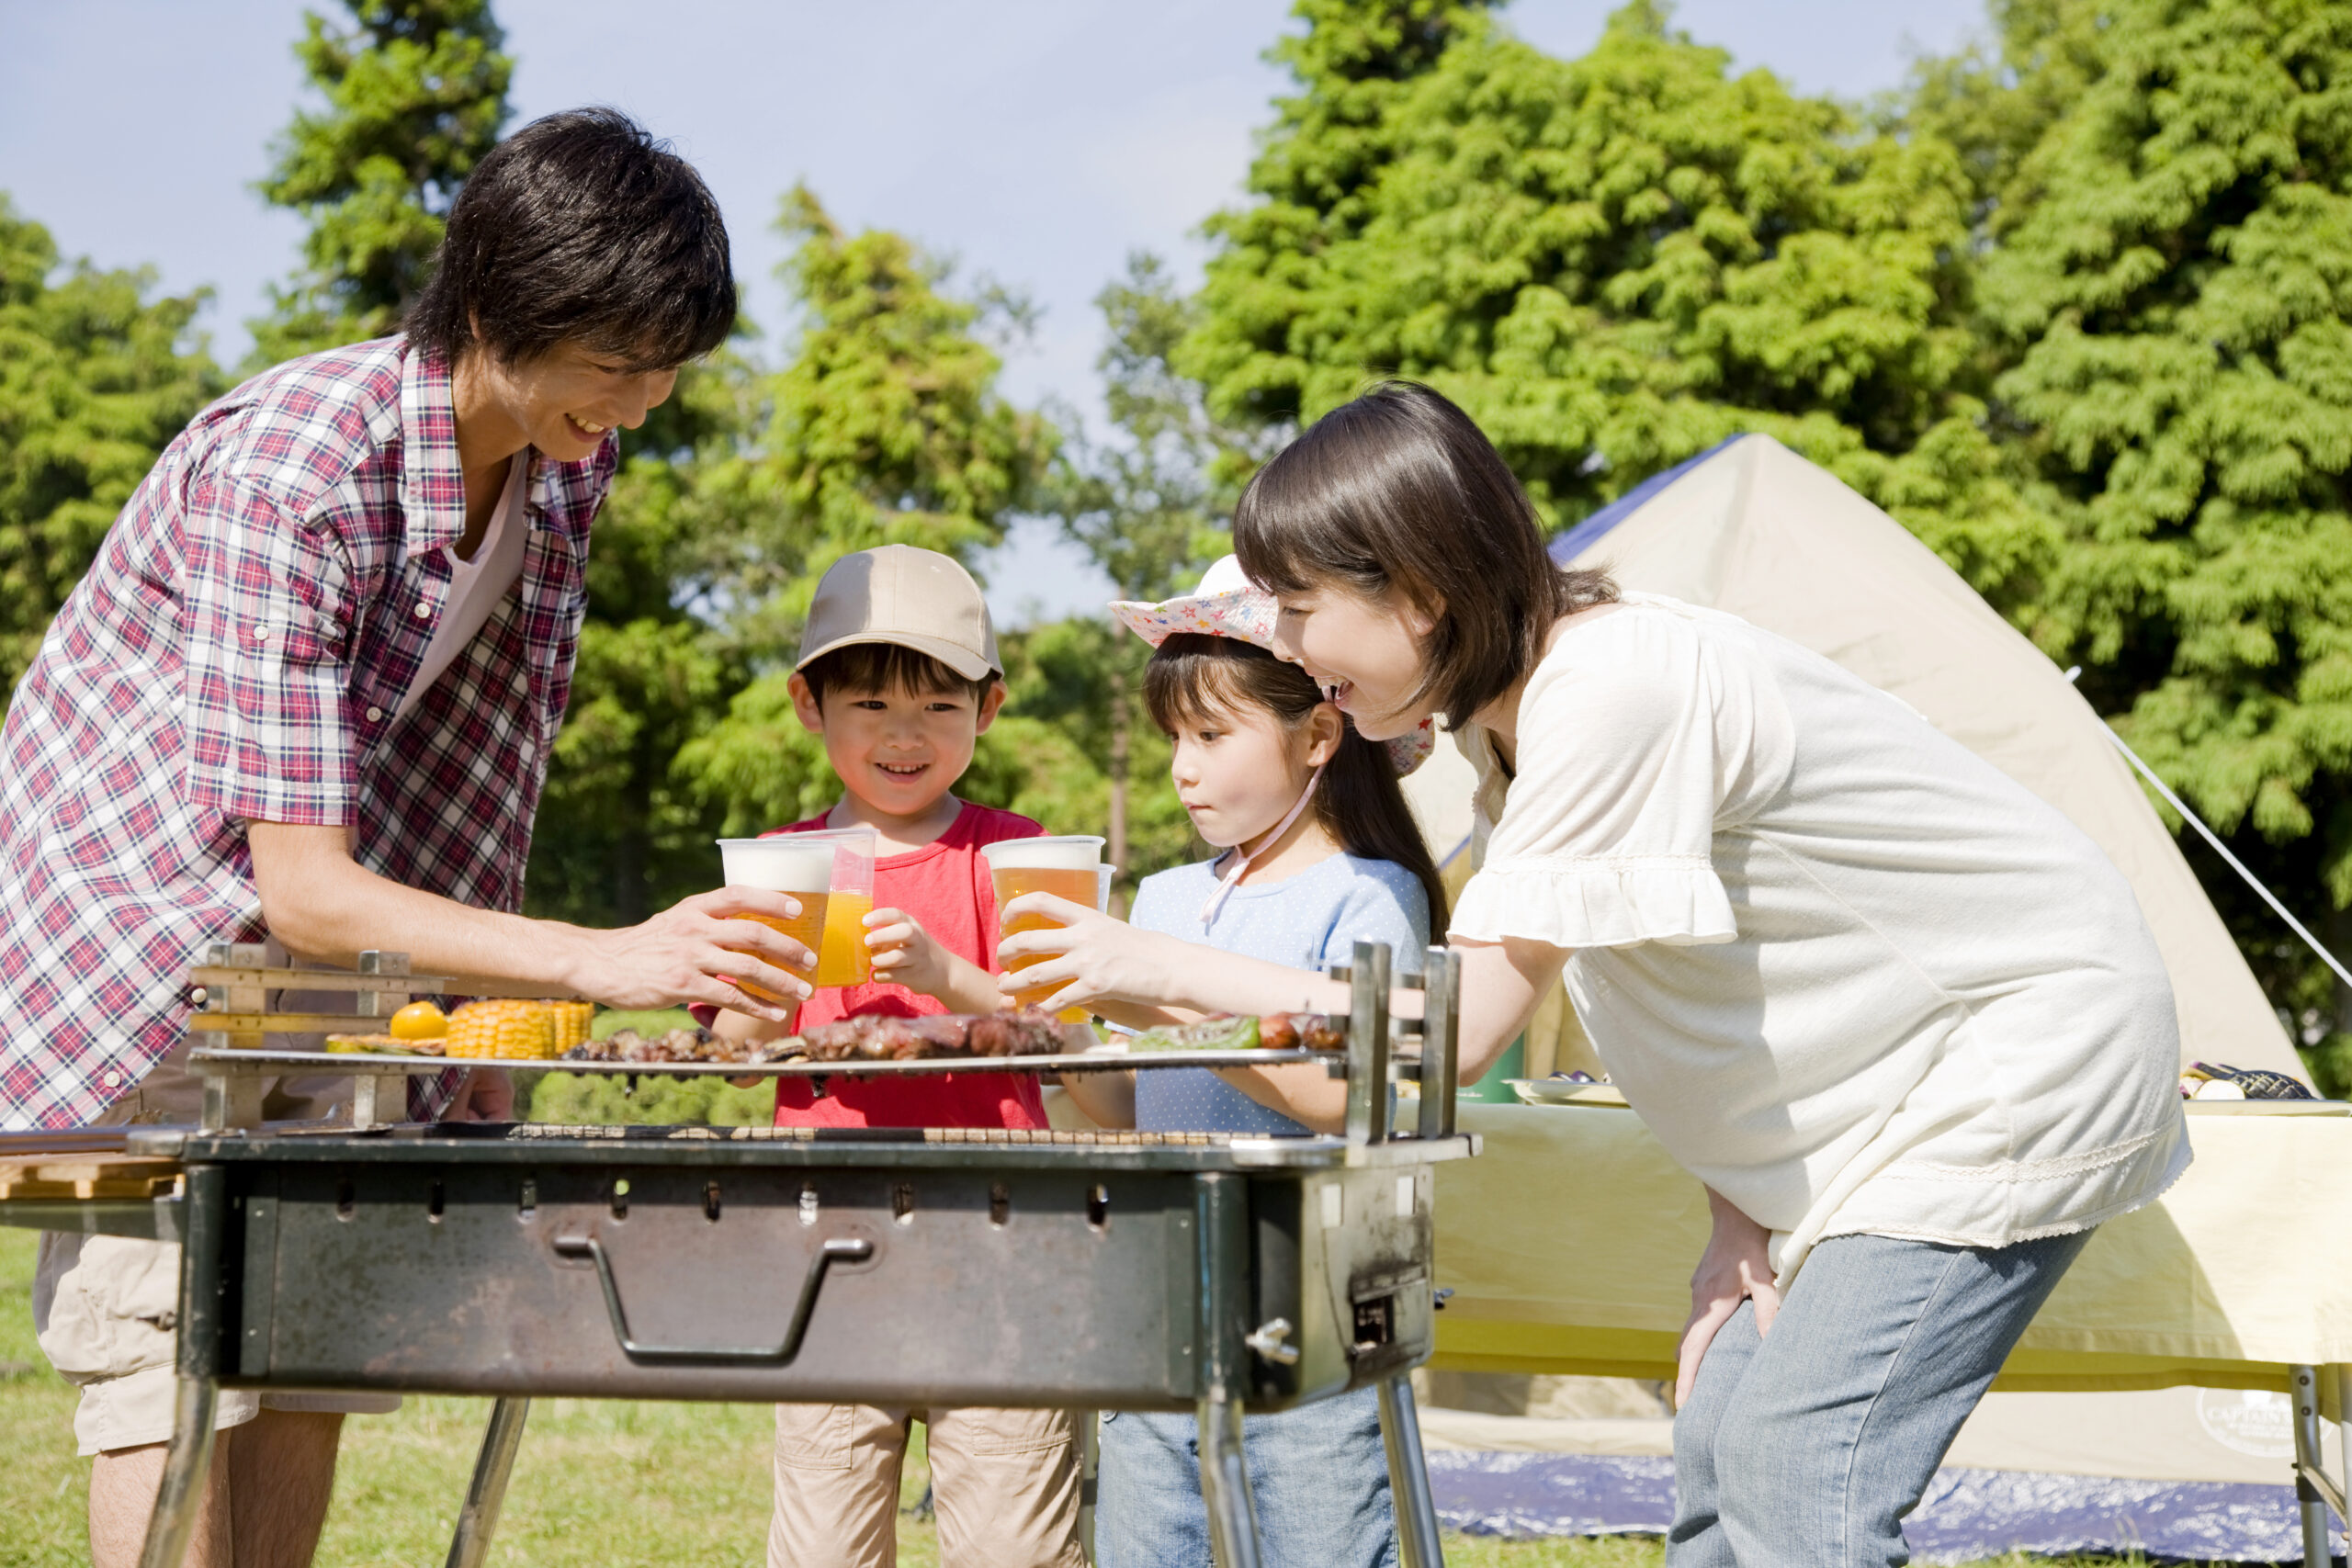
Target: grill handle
[{"x": 839, "y": 1249}]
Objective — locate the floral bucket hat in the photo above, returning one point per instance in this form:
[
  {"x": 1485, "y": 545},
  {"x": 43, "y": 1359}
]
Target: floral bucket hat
[{"x": 1228, "y": 604}]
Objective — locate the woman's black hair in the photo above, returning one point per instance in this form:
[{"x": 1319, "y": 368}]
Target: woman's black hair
[
  {"x": 580, "y": 228},
  {"x": 1400, "y": 492},
  {"x": 1359, "y": 802}
]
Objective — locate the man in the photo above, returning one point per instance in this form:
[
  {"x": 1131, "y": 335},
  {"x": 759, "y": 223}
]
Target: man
[{"x": 306, "y": 694}]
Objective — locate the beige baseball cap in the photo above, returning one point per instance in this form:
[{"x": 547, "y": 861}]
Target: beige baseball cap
[{"x": 916, "y": 598}]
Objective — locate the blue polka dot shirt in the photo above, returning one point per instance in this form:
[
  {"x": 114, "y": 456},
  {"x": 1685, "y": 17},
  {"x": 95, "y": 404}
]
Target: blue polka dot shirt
[{"x": 1306, "y": 921}]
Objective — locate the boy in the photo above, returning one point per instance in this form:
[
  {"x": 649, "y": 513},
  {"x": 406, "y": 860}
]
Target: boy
[{"x": 899, "y": 675}]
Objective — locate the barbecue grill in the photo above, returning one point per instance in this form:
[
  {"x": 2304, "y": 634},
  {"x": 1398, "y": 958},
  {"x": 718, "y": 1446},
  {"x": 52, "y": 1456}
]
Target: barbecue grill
[{"x": 898, "y": 1267}]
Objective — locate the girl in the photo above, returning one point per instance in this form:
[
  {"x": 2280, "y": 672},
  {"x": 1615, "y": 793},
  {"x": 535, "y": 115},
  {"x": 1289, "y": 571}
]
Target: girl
[
  {"x": 1320, "y": 853},
  {"x": 1900, "y": 1017}
]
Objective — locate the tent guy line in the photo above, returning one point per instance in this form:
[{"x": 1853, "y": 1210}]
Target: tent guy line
[{"x": 2222, "y": 849}]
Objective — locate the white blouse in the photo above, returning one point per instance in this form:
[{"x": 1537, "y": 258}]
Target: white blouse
[{"x": 1853, "y": 976}]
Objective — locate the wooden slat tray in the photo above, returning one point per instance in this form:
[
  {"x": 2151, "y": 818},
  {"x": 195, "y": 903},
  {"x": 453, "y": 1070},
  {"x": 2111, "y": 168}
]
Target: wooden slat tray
[{"x": 87, "y": 1175}]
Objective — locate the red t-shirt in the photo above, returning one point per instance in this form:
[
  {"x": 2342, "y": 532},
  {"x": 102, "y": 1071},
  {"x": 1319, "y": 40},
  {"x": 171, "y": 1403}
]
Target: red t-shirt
[{"x": 945, "y": 886}]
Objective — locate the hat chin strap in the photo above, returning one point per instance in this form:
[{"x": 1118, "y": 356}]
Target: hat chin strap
[{"x": 1243, "y": 853}]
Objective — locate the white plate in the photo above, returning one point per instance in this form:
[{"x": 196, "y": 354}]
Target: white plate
[{"x": 1560, "y": 1091}]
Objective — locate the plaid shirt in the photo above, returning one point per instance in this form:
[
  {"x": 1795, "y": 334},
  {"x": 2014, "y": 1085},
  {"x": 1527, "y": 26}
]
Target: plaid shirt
[{"x": 238, "y": 654}]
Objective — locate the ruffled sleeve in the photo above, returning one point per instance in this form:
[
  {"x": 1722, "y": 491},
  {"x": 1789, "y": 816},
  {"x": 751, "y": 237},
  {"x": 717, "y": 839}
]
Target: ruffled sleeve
[{"x": 1606, "y": 837}]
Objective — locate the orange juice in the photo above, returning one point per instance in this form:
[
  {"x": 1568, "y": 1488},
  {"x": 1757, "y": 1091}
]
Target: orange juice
[
  {"x": 845, "y": 960},
  {"x": 1078, "y": 884}
]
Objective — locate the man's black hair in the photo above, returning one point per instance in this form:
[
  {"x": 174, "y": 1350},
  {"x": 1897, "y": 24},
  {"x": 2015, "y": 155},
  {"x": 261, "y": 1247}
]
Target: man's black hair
[
  {"x": 874, "y": 666},
  {"x": 581, "y": 228}
]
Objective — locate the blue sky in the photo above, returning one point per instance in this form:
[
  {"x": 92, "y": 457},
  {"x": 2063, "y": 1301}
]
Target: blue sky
[{"x": 1037, "y": 141}]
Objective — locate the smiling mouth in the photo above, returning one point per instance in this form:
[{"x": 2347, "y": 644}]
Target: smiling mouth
[
  {"x": 592, "y": 432},
  {"x": 904, "y": 770},
  {"x": 1338, "y": 692}
]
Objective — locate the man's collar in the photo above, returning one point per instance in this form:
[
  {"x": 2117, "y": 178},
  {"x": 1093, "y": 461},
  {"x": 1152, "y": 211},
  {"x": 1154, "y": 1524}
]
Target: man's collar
[{"x": 432, "y": 485}]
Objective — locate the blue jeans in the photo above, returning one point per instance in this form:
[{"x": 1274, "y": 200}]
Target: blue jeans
[
  {"x": 1805, "y": 1448},
  {"x": 1319, "y": 1472}
]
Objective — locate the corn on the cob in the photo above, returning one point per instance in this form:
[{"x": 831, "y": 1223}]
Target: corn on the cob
[
  {"x": 571, "y": 1021},
  {"x": 504, "y": 1031}
]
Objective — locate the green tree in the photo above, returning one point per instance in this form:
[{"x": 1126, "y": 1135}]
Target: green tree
[
  {"x": 885, "y": 427},
  {"x": 1995, "y": 99},
  {"x": 1151, "y": 508},
  {"x": 2178, "y": 297},
  {"x": 96, "y": 379},
  {"x": 1613, "y": 262},
  {"x": 415, "y": 93}
]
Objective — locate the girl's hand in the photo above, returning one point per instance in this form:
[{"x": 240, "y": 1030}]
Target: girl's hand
[
  {"x": 1734, "y": 1268},
  {"x": 1090, "y": 955},
  {"x": 905, "y": 954}
]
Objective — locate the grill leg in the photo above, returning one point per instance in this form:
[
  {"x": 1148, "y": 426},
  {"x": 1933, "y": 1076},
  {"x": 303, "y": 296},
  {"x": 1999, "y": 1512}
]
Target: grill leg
[
  {"x": 1090, "y": 1470},
  {"x": 185, "y": 1463},
  {"x": 478, "y": 1520},
  {"x": 1225, "y": 1483},
  {"x": 1417, "y": 1545}
]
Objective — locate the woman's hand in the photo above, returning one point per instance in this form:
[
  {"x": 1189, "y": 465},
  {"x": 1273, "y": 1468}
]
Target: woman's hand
[
  {"x": 1092, "y": 955},
  {"x": 1734, "y": 1268},
  {"x": 699, "y": 949}
]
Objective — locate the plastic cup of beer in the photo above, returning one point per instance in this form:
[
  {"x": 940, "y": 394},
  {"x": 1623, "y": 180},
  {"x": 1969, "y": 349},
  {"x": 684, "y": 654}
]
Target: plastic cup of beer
[
  {"x": 786, "y": 864},
  {"x": 844, "y": 959},
  {"x": 1069, "y": 866}
]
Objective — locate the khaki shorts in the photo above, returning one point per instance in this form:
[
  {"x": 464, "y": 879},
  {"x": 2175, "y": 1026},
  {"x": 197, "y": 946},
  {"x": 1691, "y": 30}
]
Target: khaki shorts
[
  {"x": 103, "y": 1306},
  {"x": 1004, "y": 1485}
]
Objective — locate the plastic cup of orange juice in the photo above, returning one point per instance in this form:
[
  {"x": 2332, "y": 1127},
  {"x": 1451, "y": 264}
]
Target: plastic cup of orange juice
[
  {"x": 844, "y": 959},
  {"x": 1067, "y": 865},
  {"x": 789, "y": 864}
]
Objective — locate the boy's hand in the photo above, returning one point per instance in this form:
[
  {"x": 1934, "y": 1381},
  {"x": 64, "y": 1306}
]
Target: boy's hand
[
  {"x": 906, "y": 954},
  {"x": 1090, "y": 956}
]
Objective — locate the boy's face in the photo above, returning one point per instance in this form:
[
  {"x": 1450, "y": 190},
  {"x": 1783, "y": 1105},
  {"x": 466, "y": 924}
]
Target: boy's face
[{"x": 897, "y": 752}]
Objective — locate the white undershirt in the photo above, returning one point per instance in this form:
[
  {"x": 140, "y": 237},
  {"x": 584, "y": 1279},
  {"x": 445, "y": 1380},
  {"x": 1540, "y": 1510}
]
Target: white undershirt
[{"x": 476, "y": 586}]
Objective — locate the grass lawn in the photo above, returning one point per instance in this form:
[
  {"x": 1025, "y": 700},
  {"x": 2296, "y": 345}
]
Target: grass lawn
[{"x": 599, "y": 1484}]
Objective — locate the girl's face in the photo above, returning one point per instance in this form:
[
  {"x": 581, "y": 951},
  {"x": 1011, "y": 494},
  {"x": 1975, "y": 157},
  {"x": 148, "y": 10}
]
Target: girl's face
[
  {"x": 1367, "y": 652},
  {"x": 1238, "y": 771}
]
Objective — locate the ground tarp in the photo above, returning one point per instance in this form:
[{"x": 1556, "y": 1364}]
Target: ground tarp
[{"x": 1967, "y": 1514}]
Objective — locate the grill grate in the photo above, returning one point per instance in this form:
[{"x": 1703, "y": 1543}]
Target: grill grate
[{"x": 1045, "y": 1136}]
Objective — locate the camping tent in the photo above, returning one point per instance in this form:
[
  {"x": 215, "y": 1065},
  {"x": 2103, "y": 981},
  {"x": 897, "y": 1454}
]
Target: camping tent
[{"x": 1754, "y": 529}]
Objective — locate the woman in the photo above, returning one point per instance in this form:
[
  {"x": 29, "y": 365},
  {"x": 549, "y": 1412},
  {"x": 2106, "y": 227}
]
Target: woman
[{"x": 1902, "y": 1018}]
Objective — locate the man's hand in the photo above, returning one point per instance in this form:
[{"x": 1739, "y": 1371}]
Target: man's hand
[
  {"x": 486, "y": 1094},
  {"x": 1734, "y": 1269},
  {"x": 699, "y": 949},
  {"x": 321, "y": 904}
]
